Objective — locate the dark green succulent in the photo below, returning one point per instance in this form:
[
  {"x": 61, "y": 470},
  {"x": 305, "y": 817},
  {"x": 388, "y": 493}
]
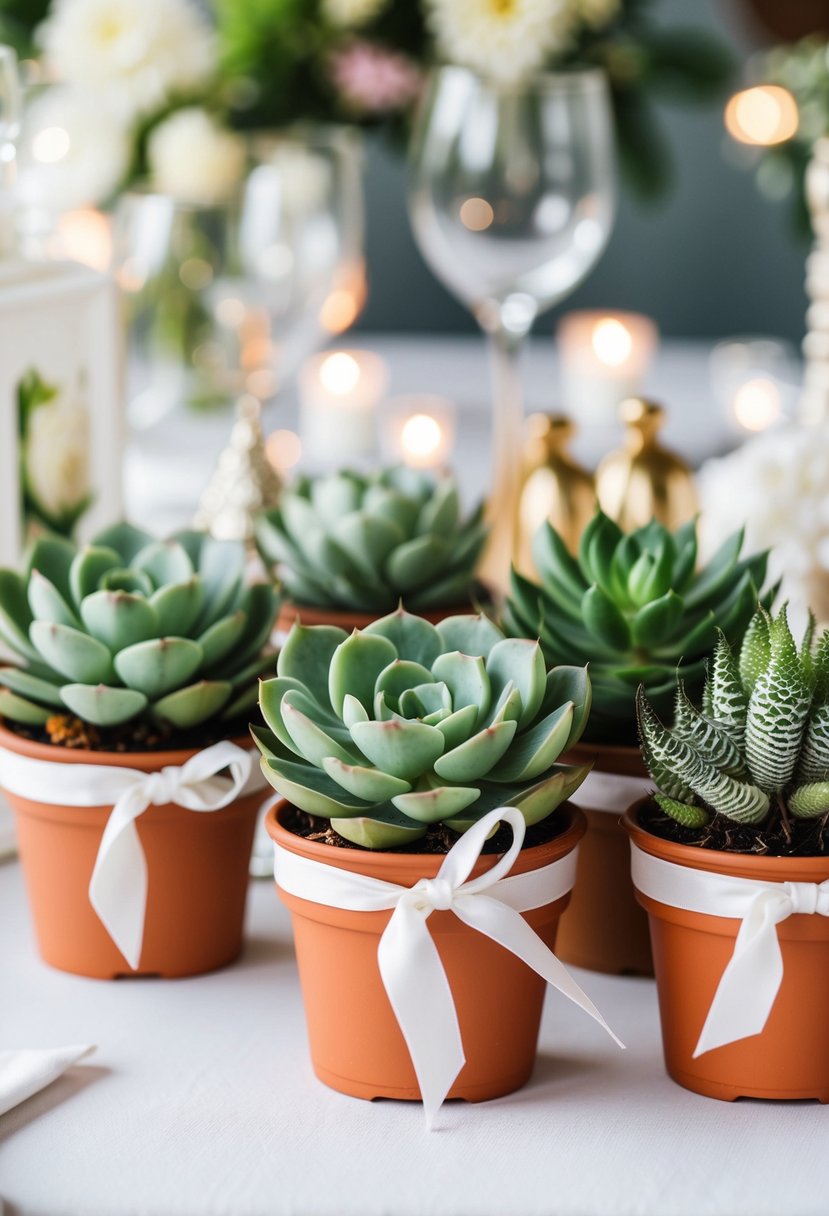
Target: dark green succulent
[
  {"x": 636, "y": 608},
  {"x": 129, "y": 627},
  {"x": 365, "y": 543},
  {"x": 759, "y": 747},
  {"x": 407, "y": 724}
]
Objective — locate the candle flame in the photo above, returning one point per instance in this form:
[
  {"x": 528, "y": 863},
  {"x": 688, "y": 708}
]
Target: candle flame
[
  {"x": 612, "y": 342},
  {"x": 340, "y": 373},
  {"x": 757, "y": 403},
  {"x": 766, "y": 114}
]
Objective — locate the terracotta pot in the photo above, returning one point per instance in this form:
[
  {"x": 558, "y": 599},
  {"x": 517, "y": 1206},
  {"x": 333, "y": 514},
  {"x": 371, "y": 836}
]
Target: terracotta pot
[
  {"x": 347, "y": 620},
  {"x": 790, "y": 1058},
  {"x": 356, "y": 1045},
  {"x": 604, "y": 929},
  {"x": 197, "y": 866}
]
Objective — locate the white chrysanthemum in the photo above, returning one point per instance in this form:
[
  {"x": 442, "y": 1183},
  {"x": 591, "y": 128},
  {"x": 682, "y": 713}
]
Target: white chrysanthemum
[
  {"x": 194, "y": 159},
  {"x": 56, "y": 455},
  {"x": 351, "y": 14},
  {"x": 777, "y": 484},
  {"x": 505, "y": 40},
  {"x": 74, "y": 152},
  {"x": 139, "y": 52}
]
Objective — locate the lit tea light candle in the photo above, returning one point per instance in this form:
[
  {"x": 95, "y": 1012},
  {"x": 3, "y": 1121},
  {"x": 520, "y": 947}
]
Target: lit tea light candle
[
  {"x": 283, "y": 449},
  {"x": 754, "y": 380},
  {"x": 339, "y": 393},
  {"x": 604, "y": 359},
  {"x": 420, "y": 430}
]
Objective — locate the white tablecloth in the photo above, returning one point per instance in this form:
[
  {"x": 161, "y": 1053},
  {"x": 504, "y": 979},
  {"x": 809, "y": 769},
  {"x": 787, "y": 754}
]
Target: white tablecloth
[{"x": 200, "y": 1101}]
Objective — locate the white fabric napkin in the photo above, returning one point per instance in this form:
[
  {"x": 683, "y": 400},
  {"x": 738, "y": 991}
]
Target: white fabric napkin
[{"x": 25, "y": 1072}]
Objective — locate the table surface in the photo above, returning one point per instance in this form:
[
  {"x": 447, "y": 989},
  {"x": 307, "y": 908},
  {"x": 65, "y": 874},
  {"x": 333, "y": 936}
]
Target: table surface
[
  {"x": 169, "y": 464},
  {"x": 200, "y": 1101}
]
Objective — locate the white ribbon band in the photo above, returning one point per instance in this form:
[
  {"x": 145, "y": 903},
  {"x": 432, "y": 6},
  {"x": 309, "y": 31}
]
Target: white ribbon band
[
  {"x": 409, "y": 962},
  {"x": 749, "y": 985},
  {"x": 118, "y": 887}
]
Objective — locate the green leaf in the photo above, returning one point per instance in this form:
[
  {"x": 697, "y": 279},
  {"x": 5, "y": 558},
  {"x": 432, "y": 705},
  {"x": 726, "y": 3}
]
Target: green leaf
[
  {"x": 102, "y": 705},
  {"x": 311, "y": 790},
  {"x": 555, "y": 563},
  {"x": 755, "y": 651},
  {"x": 392, "y": 506},
  {"x": 369, "y": 784},
  {"x": 441, "y": 513},
  {"x": 414, "y": 563},
  {"x": 306, "y": 656},
  {"x": 387, "y": 831},
  {"x": 190, "y": 706},
  {"x": 157, "y": 666},
  {"x": 810, "y": 801},
  {"x": 335, "y": 496},
  {"x": 458, "y": 726},
  {"x": 74, "y": 654},
  {"x": 367, "y": 540},
  {"x": 47, "y": 603},
  {"x": 718, "y": 572},
  {"x": 565, "y": 683},
  {"x": 165, "y": 562},
  {"x": 355, "y": 667},
  {"x": 778, "y": 710},
  {"x": 15, "y": 614},
  {"x": 53, "y": 557},
  {"x": 604, "y": 620},
  {"x": 221, "y": 638},
  {"x": 177, "y": 607},
  {"x": 683, "y": 812},
  {"x": 412, "y": 637},
  {"x": 125, "y": 539},
  {"x": 439, "y": 802},
  {"x": 119, "y": 619},
  {"x": 472, "y": 635},
  {"x": 30, "y": 686},
  {"x": 133, "y": 581},
  {"x": 271, "y": 695},
  {"x": 519, "y": 661},
  {"x": 309, "y": 738},
  {"x": 88, "y": 568},
  {"x": 403, "y": 748},
  {"x": 478, "y": 755},
  {"x": 654, "y": 623},
  {"x": 399, "y": 677},
  {"x": 536, "y": 750},
  {"x": 466, "y": 678},
  {"x": 597, "y": 549},
  {"x": 19, "y": 709}
]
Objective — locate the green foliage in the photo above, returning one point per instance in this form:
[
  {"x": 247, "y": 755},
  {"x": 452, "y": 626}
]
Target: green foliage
[
  {"x": 131, "y": 627},
  {"x": 365, "y": 543},
  {"x": 634, "y": 607},
  {"x": 760, "y": 745},
  {"x": 407, "y": 724}
]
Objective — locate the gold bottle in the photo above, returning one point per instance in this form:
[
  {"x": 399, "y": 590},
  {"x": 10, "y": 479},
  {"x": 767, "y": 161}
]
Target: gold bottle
[
  {"x": 644, "y": 480},
  {"x": 554, "y": 487}
]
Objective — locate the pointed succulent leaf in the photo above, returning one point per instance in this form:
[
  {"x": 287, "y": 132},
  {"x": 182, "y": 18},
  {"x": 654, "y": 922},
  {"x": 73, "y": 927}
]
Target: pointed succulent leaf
[
  {"x": 699, "y": 639},
  {"x": 353, "y": 711},
  {"x": 15, "y": 614},
  {"x": 403, "y": 748},
  {"x": 392, "y": 505},
  {"x": 125, "y": 539},
  {"x": 102, "y": 705},
  {"x": 271, "y": 696},
  {"x": 306, "y": 656},
  {"x": 565, "y": 683},
  {"x": 310, "y": 740},
  {"x": 119, "y": 619},
  {"x": 556, "y": 564},
  {"x": 400, "y": 676},
  {"x": 193, "y": 705},
  {"x": 604, "y": 620},
  {"x": 656, "y": 621},
  {"x": 355, "y": 664},
  {"x": 177, "y": 607},
  {"x": 478, "y": 755},
  {"x": 777, "y": 712},
  {"x": 685, "y": 813},
  {"x": 412, "y": 637},
  {"x": 364, "y": 782},
  {"x": 458, "y": 726},
  {"x": 716, "y": 574},
  {"x": 122, "y": 579},
  {"x": 728, "y": 698},
  {"x": 336, "y": 496},
  {"x": 714, "y": 745},
  {"x": 310, "y": 789},
  {"x": 436, "y": 803},
  {"x": 813, "y": 764},
  {"x": 220, "y": 638},
  {"x": 520, "y": 661},
  {"x": 441, "y": 512},
  {"x": 810, "y": 801},
  {"x": 388, "y": 830},
  {"x": 367, "y": 540},
  {"x": 466, "y": 677},
  {"x": 34, "y": 688},
  {"x": 755, "y": 651},
  {"x": 425, "y": 699},
  {"x": 158, "y": 666},
  {"x": 685, "y": 541},
  {"x": 411, "y": 564},
  {"x": 537, "y": 749},
  {"x": 47, "y": 603},
  {"x": 73, "y": 653},
  {"x": 164, "y": 562},
  {"x": 53, "y": 557},
  {"x": 472, "y": 635},
  {"x": 89, "y": 565},
  {"x": 21, "y": 709},
  {"x": 538, "y": 801},
  {"x": 596, "y": 548},
  {"x": 507, "y": 708}
]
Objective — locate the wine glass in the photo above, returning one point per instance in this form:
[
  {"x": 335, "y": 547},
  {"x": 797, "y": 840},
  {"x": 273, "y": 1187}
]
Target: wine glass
[{"x": 512, "y": 196}]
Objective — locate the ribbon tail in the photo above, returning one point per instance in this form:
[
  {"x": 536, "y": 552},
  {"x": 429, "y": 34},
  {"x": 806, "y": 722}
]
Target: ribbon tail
[
  {"x": 750, "y": 983},
  {"x": 118, "y": 887},
  {"x": 420, "y": 996},
  {"x": 509, "y": 929}
]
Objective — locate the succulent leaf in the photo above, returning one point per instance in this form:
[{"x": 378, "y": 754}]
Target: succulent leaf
[
  {"x": 193, "y": 705},
  {"x": 755, "y": 651},
  {"x": 810, "y": 801},
  {"x": 102, "y": 705},
  {"x": 686, "y": 813},
  {"x": 777, "y": 712}
]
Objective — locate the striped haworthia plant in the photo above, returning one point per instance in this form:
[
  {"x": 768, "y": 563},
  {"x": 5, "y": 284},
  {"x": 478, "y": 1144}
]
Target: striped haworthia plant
[{"x": 759, "y": 746}]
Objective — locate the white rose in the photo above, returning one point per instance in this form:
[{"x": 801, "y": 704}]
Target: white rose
[
  {"x": 194, "y": 159},
  {"x": 73, "y": 151},
  {"x": 138, "y": 52},
  {"x": 56, "y": 455}
]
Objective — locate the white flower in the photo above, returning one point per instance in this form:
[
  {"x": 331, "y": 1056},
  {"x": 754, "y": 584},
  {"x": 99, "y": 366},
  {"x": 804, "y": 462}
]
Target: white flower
[
  {"x": 349, "y": 14},
  {"x": 56, "y": 455},
  {"x": 137, "y": 52},
  {"x": 505, "y": 40},
  {"x": 595, "y": 14},
  {"x": 74, "y": 152},
  {"x": 776, "y": 484},
  {"x": 194, "y": 159}
]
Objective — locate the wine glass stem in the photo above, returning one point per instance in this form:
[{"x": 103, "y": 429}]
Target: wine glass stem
[{"x": 507, "y": 449}]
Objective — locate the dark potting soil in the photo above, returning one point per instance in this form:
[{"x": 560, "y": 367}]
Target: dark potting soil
[
  {"x": 438, "y": 839},
  {"x": 806, "y": 838},
  {"x": 65, "y": 730}
]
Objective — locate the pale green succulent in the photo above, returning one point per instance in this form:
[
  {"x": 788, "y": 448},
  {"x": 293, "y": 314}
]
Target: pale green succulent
[
  {"x": 366, "y": 543},
  {"x": 759, "y": 747},
  {"x": 407, "y": 724},
  {"x": 129, "y": 626},
  {"x": 634, "y": 606}
]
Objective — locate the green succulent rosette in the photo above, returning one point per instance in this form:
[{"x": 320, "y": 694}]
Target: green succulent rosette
[
  {"x": 346, "y": 541},
  {"x": 636, "y": 608},
  {"x": 759, "y": 746},
  {"x": 405, "y": 724},
  {"x": 130, "y": 627}
]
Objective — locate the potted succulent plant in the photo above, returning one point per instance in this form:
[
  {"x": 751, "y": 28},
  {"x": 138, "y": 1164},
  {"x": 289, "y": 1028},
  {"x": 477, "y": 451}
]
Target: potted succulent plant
[
  {"x": 349, "y": 548},
  {"x": 637, "y": 608},
  {"x": 394, "y": 748},
  {"x": 138, "y": 668},
  {"x": 730, "y": 861}
]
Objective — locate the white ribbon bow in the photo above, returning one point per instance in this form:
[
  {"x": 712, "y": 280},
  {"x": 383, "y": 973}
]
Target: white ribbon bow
[
  {"x": 118, "y": 887},
  {"x": 749, "y": 985},
  {"x": 410, "y": 965}
]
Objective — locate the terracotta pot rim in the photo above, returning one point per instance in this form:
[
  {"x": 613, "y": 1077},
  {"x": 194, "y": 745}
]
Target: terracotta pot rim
[
  {"x": 371, "y": 861},
  {"x": 741, "y": 865},
  {"x": 618, "y": 759},
  {"x": 288, "y": 607},
  {"x": 145, "y": 761}
]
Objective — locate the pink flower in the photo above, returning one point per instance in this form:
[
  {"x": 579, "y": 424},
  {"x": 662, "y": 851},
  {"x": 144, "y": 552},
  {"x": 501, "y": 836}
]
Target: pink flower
[{"x": 373, "y": 79}]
